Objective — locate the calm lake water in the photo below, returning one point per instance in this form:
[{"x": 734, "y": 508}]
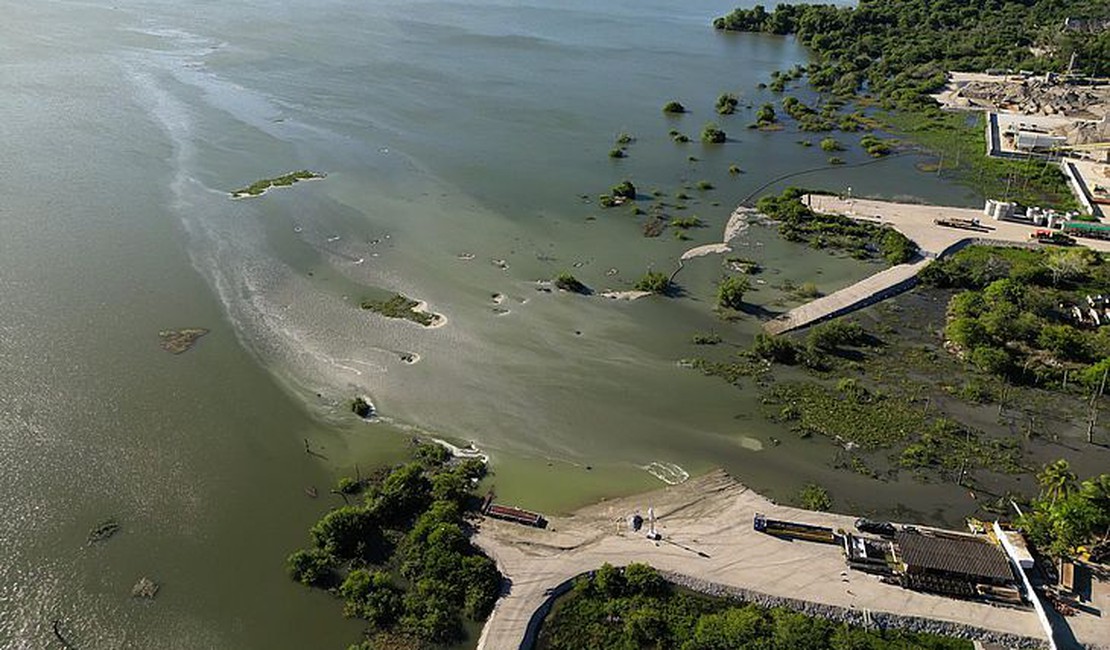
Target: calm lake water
[{"x": 453, "y": 134}]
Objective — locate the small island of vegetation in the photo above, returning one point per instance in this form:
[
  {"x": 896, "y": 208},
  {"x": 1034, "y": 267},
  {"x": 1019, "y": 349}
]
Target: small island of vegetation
[
  {"x": 400, "y": 306},
  {"x": 259, "y": 188},
  {"x": 713, "y": 134},
  {"x": 656, "y": 282},
  {"x": 731, "y": 290},
  {"x": 569, "y": 283},
  {"x": 673, "y": 108},
  {"x": 402, "y": 559}
]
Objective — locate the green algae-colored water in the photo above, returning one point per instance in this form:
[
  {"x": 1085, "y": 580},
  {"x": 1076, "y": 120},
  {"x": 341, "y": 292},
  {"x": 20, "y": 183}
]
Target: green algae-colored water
[{"x": 453, "y": 135}]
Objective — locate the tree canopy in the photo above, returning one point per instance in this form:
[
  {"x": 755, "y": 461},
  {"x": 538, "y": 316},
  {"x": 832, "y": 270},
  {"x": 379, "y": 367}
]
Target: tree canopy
[
  {"x": 402, "y": 560},
  {"x": 901, "y": 49},
  {"x": 1067, "y": 515}
]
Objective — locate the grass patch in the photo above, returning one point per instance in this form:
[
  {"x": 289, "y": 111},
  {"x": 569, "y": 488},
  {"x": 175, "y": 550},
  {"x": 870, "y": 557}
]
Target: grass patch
[{"x": 259, "y": 187}]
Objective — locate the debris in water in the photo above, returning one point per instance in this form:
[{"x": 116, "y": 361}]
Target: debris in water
[
  {"x": 103, "y": 530},
  {"x": 178, "y": 341},
  {"x": 145, "y": 588}
]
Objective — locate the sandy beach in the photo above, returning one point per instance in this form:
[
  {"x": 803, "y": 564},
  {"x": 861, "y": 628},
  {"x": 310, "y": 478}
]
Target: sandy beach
[{"x": 439, "y": 319}]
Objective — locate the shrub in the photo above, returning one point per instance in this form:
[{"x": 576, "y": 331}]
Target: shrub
[
  {"x": 775, "y": 348},
  {"x": 686, "y": 222},
  {"x": 673, "y": 107},
  {"x": 704, "y": 185},
  {"x": 830, "y": 144},
  {"x": 730, "y": 293},
  {"x": 568, "y": 282},
  {"x": 726, "y": 104},
  {"x": 655, "y": 282},
  {"x": 766, "y": 115},
  {"x": 713, "y": 134},
  {"x": 625, "y": 138},
  {"x": 617, "y": 153},
  {"x": 733, "y": 170},
  {"x": 311, "y": 567},
  {"x": 624, "y": 190},
  {"x": 814, "y": 497}
]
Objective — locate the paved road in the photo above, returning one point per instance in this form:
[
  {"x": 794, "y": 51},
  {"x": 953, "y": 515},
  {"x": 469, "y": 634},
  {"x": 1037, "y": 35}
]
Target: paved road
[
  {"x": 706, "y": 523},
  {"x": 916, "y": 222}
]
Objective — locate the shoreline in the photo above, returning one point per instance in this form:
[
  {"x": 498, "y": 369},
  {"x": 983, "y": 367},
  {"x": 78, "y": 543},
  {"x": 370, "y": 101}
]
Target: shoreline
[
  {"x": 438, "y": 320},
  {"x": 709, "y": 540},
  {"x": 624, "y": 295}
]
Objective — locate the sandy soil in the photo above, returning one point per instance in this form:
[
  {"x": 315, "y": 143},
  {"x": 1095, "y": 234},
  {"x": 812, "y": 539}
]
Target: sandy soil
[{"x": 624, "y": 295}]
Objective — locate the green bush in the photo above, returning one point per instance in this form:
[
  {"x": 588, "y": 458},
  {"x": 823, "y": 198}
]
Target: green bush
[
  {"x": 766, "y": 115},
  {"x": 830, "y": 145},
  {"x": 726, "y": 104},
  {"x": 655, "y": 282},
  {"x": 617, "y": 153},
  {"x": 673, "y": 107},
  {"x": 731, "y": 290},
  {"x": 568, "y": 282},
  {"x": 713, "y": 134},
  {"x": 312, "y": 567},
  {"x": 624, "y": 190},
  {"x": 813, "y": 497}
]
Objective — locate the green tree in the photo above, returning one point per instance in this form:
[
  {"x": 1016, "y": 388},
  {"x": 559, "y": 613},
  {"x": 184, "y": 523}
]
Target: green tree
[
  {"x": 730, "y": 629},
  {"x": 644, "y": 580},
  {"x": 372, "y": 596},
  {"x": 991, "y": 360},
  {"x": 1064, "y": 342},
  {"x": 313, "y": 567},
  {"x": 346, "y": 532},
  {"x": 645, "y": 627},
  {"x": 798, "y": 631},
  {"x": 968, "y": 333},
  {"x": 1056, "y": 480},
  {"x": 610, "y": 580}
]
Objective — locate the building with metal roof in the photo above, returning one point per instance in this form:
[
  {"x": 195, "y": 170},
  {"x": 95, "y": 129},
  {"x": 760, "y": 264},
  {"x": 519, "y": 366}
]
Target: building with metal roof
[{"x": 958, "y": 565}]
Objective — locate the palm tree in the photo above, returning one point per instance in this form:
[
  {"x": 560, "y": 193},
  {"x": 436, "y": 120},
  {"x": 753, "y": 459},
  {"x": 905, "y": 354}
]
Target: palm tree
[{"x": 1056, "y": 480}]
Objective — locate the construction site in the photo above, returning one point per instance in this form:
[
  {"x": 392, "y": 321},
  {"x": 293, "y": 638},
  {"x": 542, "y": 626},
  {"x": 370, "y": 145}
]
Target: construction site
[{"x": 1059, "y": 118}]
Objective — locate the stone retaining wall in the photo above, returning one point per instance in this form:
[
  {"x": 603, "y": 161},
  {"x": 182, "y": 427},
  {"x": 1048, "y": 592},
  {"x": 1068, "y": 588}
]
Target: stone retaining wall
[{"x": 879, "y": 620}]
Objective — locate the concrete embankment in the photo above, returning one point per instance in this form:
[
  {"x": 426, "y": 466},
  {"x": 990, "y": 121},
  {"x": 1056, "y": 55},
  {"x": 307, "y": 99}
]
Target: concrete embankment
[{"x": 918, "y": 222}]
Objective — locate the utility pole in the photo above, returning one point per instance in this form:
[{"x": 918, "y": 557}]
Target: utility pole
[{"x": 1094, "y": 408}]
